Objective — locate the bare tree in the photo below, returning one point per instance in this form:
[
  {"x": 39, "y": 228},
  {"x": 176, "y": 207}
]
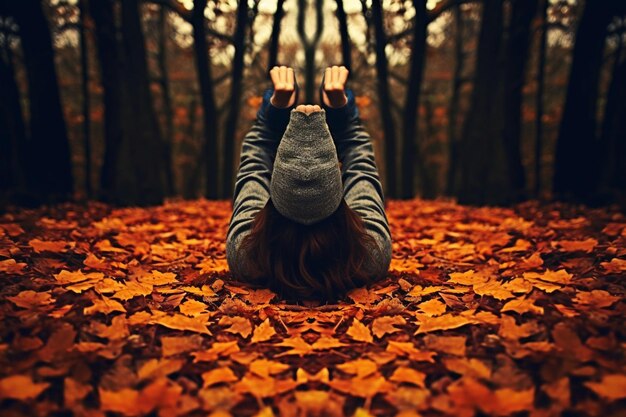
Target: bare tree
[
  {"x": 84, "y": 63},
  {"x": 310, "y": 45},
  {"x": 49, "y": 168},
  {"x": 164, "y": 81},
  {"x": 541, "y": 71},
  {"x": 235, "y": 97},
  {"x": 411, "y": 154},
  {"x": 382, "y": 74},
  {"x": 346, "y": 47},
  {"x": 274, "y": 41},
  {"x": 515, "y": 59},
  {"x": 576, "y": 165},
  {"x": 484, "y": 175}
]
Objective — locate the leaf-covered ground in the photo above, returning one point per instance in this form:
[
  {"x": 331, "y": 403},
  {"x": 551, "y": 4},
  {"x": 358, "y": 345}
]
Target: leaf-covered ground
[{"x": 486, "y": 311}]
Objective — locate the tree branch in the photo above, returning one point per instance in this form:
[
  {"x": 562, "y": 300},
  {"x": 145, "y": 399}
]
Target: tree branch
[{"x": 185, "y": 14}]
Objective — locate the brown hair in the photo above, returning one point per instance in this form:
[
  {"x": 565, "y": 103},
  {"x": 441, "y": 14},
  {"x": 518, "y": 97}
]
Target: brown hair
[{"x": 321, "y": 261}]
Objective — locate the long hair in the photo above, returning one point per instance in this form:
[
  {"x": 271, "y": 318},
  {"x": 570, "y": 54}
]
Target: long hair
[{"x": 321, "y": 261}]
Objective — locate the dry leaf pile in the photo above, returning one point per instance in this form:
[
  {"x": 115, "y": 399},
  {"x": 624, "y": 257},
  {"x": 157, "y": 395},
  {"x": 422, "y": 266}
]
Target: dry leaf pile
[{"x": 486, "y": 311}]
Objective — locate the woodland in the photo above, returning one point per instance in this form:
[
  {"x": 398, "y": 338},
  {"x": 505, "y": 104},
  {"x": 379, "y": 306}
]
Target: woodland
[{"x": 500, "y": 134}]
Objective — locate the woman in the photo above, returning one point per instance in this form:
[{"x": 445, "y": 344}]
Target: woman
[{"x": 304, "y": 224}]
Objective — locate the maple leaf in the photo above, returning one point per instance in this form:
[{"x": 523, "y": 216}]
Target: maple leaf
[
  {"x": 238, "y": 325},
  {"x": 521, "y": 306},
  {"x": 218, "y": 376},
  {"x": 31, "y": 299},
  {"x": 444, "y": 322},
  {"x": 53, "y": 246},
  {"x": 611, "y": 386},
  {"x": 192, "y": 308},
  {"x": 453, "y": 345},
  {"x": 384, "y": 325},
  {"x": 10, "y": 266},
  {"x": 408, "y": 375},
  {"x": 217, "y": 349},
  {"x": 21, "y": 387},
  {"x": 263, "y": 332},
  {"x": 360, "y": 332},
  {"x": 408, "y": 349},
  {"x": 266, "y": 368},
  {"x": 359, "y": 367},
  {"x": 104, "y": 305},
  {"x": 432, "y": 307},
  {"x": 181, "y": 322}
]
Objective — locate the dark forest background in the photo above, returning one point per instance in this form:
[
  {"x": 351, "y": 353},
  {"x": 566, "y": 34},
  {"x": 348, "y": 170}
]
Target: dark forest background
[{"x": 489, "y": 102}]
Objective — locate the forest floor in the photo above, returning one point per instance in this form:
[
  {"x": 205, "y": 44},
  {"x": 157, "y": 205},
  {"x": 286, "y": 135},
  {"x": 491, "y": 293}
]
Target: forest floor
[{"x": 485, "y": 311}]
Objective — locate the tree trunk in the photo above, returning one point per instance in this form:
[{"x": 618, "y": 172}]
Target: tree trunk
[
  {"x": 275, "y": 39},
  {"x": 235, "y": 98},
  {"x": 346, "y": 48},
  {"x": 205, "y": 81},
  {"x": 384, "y": 100},
  {"x": 310, "y": 46},
  {"x": 613, "y": 143},
  {"x": 109, "y": 57},
  {"x": 411, "y": 154},
  {"x": 576, "y": 165},
  {"x": 516, "y": 57},
  {"x": 167, "y": 103},
  {"x": 485, "y": 178},
  {"x": 12, "y": 128},
  {"x": 453, "y": 112},
  {"x": 541, "y": 63},
  {"x": 142, "y": 148},
  {"x": 84, "y": 63},
  {"x": 49, "y": 169}
]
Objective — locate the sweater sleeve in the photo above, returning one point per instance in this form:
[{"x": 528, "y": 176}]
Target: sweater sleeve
[
  {"x": 252, "y": 183},
  {"x": 363, "y": 191}
]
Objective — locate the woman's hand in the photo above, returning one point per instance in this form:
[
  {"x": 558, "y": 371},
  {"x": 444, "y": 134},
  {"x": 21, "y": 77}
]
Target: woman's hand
[
  {"x": 334, "y": 85},
  {"x": 308, "y": 108},
  {"x": 284, "y": 86}
]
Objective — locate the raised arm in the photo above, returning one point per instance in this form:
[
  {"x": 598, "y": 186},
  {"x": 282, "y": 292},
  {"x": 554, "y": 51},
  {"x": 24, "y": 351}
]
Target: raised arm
[
  {"x": 363, "y": 190},
  {"x": 252, "y": 183}
]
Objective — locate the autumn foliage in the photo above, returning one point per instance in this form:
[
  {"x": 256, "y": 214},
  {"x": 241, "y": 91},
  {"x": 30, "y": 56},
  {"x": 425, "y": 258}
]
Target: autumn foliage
[{"x": 486, "y": 311}]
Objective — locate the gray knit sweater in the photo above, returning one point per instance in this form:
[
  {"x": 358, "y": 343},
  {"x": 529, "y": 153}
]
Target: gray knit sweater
[{"x": 362, "y": 189}]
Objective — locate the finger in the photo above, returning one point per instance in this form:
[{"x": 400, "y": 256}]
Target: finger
[
  {"x": 327, "y": 78},
  {"x": 290, "y": 77},
  {"x": 283, "y": 74},
  {"x": 301, "y": 108},
  {"x": 274, "y": 76},
  {"x": 343, "y": 75},
  {"x": 335, "y": 72}
]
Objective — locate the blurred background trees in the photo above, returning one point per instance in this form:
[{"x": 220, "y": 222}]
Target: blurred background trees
[{"x": 490, "y": 101}]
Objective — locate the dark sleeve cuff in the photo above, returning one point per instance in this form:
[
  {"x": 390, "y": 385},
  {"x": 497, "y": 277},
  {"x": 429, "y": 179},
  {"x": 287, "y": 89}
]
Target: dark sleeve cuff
[
  {"x": 339, "y": 117},
  {"x": 276, "y": 118}
]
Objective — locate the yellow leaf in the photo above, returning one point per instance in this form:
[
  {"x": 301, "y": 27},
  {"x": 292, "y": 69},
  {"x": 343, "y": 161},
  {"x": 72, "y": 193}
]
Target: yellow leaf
[
  {"x": 445, "y": 322},
  {"x": 192, "y": 308},
  {"x": 265, "y": 368},
  {"x": 217, "y": 349},
  {"x": 263, "y": 332},
  {"x": 359, "y": 367},
  {"x": 385, "y": 324},
  {"x": 217, "y": 376},
  {"x": 521, "y": 306},
  {"x": 432, "y": 307},
  {"x": 408, "y": 349},
  {"x": 410, "y": 375},
  {"x": 104, "y": 305},
  {"x": 238, "y": 325},
  {"x": 360, "y": 332}
]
